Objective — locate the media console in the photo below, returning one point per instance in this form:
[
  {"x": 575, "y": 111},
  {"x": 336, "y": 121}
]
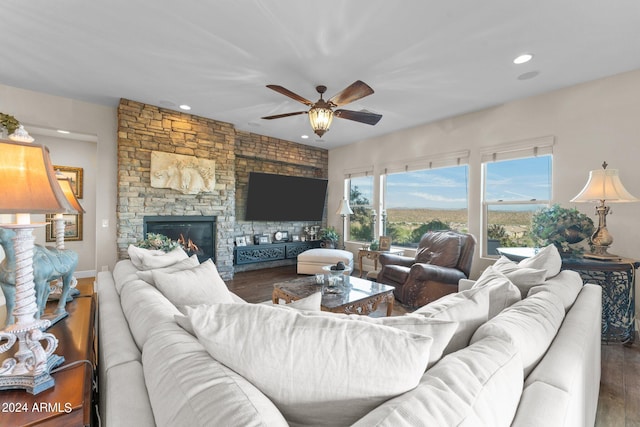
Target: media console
[{"x": 271, "y": 251}]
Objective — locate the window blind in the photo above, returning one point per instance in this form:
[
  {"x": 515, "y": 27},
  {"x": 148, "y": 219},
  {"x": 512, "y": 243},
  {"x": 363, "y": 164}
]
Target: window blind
[
  {"x": 457, "y": 158},
  {"x": 519, "y": 149}
]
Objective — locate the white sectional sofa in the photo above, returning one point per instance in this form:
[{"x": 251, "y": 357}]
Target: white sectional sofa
[{"x": 493, "y": 357}]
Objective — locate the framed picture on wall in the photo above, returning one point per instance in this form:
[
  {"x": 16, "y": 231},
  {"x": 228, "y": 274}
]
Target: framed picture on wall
[
  {"x": 385, "y": 243},
  {"x": 72, "y": 227},
  {"x": 75, "y": 175},
  {"x": 241, "y": 241}
]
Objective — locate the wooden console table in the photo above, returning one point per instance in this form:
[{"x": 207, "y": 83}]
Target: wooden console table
[
  {"x": 69, "y": 402},
  {"x": 617, "y": 279}
]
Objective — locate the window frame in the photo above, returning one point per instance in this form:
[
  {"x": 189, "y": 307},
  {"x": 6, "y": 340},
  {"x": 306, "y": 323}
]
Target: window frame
[
  {"x": 454, "y": 162},
  {"x": 520, "y": 154},
  {"x": 371, "y": 206}
]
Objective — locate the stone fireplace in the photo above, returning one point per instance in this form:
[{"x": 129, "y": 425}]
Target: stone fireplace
[
  {"x": 196, "y": 234},
  {"x": 143, "y": 129}
]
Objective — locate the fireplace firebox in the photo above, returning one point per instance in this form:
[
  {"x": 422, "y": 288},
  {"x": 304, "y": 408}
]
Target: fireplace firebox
[{"x": 196, "y": 234}]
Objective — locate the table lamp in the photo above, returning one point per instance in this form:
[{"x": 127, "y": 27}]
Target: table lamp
[
  {"x": 604, "y": 185},
  {"x": 58, "y": 224},
  {"x": 344, "y": 210},
  {"x": 28, "y": 185}
]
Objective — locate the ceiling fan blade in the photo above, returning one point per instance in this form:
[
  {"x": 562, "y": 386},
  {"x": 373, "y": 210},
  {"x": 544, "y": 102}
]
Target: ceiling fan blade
[
  {"x": 287, "y": 92},
  {"x": 355, "y": 91},
  {"x": 358, "y": 116},
  {"x": 279, "y": 116}
]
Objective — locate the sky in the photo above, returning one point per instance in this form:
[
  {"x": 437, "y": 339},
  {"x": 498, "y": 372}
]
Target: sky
[{"x": 446, "y": 188}]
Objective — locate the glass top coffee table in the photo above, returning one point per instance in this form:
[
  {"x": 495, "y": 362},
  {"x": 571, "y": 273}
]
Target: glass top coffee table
[{"x": 360, "y": 297}]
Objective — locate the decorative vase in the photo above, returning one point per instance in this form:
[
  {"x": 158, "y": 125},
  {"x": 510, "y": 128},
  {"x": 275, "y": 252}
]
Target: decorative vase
[{"x": 327, "y": 244}]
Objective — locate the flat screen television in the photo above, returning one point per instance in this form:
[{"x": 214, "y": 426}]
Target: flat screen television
[{"x": 285, "y": 198}]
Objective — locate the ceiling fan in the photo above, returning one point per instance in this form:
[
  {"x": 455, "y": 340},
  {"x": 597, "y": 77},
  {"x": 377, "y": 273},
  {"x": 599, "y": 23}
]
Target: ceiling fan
[{"x": 322, "y": 112}]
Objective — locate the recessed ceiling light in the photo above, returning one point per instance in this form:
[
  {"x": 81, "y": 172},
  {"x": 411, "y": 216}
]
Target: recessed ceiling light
[
  {"x": 63, "y": 131},
  {"x": 185, "y": 107},
  {"x": 525, "y": 57},
  {"x": 305, "y": 137}
]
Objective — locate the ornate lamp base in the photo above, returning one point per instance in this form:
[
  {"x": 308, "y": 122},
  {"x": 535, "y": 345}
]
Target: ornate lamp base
[
  {"x": 601, "y": 238},
  {"x": 33, "y": 384},
  {"x": 600, "y": 252},
  {"x": 31, "y": 365}
]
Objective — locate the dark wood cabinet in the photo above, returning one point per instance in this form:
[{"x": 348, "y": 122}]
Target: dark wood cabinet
[
  {"x": 617, "y": 279},
  {"x": 69, "y": 402},
  {"x": 271, "y": 251}
]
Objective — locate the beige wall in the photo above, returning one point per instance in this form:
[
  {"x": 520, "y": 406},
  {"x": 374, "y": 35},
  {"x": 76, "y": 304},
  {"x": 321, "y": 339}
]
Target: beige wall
[
  {"x": 590, "y": 122},
  {"x": 97, "y": 123}
]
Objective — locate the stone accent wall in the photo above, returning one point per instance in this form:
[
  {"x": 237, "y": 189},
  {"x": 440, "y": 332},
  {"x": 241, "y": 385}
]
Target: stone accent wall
[
  {"x": 258, "y": 153},
  {"x": 143, "y": 128}
]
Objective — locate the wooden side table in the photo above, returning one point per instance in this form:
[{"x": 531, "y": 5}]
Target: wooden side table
[
  {"x": 69, "y": 401},
  {"x": 374, "y": 255}
]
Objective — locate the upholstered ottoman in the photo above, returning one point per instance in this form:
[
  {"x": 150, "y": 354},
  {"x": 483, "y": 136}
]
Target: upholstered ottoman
[{"x": 312, "y": 261}]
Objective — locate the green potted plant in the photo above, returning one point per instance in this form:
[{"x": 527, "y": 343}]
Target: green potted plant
[
  {"x": 158, "y": 242},
  {"x": 329, "y": 237},
  {"x": 9, "y": 122},
  {"x": 566, "y": 228}
]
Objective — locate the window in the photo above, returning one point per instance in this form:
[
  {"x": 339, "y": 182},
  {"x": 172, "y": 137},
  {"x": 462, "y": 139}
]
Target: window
[
  {"x": 361, "y": 223},
  {"x": 513, "y": 190},
  {"x": 422, "y": 200}
]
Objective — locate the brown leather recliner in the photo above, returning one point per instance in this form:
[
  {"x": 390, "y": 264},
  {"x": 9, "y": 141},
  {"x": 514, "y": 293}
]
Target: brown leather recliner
[{"x": 442, "y": 259}]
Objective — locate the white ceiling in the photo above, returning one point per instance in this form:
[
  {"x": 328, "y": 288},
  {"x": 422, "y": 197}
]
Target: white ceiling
[{"x": 426, "y": 60}]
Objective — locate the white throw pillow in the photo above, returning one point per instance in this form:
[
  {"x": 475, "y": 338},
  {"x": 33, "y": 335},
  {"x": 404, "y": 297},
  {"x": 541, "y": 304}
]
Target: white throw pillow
[
  {"x": 502, "y": 292},
  {"x": 123, "y": 272},
  {"x": 479, "y": 385},
  {"x": 147, "y": 275},
  {"x": 146, "y": 259},
  {"x": 548, "y": 258},
  {"x": 469, "y": 308},
  {"x": 530, "y": 325},
  {"x": 440, "y": 330},
  {"x": 318, "y": 370},
  {"x": 198, "y": 285},
  {"x": 566, "y": 285},
  {"x": 523, "y": 277}
]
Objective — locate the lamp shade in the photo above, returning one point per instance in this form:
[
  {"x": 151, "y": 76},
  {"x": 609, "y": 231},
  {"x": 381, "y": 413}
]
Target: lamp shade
[
  {"x": 65, "y": 185},
  {"x": 604, "y": 184},
  {"x": 28, "y": 182},
  {"x": 344, "y": 208}
]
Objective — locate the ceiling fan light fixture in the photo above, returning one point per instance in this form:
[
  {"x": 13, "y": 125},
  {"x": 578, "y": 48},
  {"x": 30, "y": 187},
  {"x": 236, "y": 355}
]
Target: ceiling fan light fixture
[{"x": 320, "y": 119}]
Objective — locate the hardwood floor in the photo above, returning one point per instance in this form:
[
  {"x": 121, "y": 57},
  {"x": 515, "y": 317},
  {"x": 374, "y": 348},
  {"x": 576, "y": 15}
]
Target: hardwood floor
[{"x": 619, "y": 401}]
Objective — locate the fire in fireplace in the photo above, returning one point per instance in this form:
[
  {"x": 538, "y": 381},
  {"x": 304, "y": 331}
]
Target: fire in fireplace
[{"x": 196, "y": 234}]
